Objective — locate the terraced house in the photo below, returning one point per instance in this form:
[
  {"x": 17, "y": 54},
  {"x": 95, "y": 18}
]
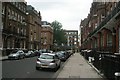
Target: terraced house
[
  {"x": 34, "y": 28},
  {"x": 101, "y": 29},
  {"x": 14, "y": 29},
  {"x": 100, "y": 32},
  {"x": 46, "y": 35}
]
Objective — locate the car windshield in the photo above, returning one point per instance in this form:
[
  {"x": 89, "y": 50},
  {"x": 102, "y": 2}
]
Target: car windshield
[
  {"x": 14, "y": 52},
  {"x": 60, "y": 54},
  {"x": 29, "y": 51},
  {"x": 44, "y": 56}
]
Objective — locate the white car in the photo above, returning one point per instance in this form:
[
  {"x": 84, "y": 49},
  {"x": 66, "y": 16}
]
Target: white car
[{"x": 17, "y": 54}]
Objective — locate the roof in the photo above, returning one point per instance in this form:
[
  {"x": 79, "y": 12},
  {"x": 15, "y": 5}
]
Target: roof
[{"x": 49, "y": 54}]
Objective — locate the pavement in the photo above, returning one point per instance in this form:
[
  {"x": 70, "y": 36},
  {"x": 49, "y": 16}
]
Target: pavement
[
  {"x": 77, "y": 67},
  {"x": 3, "y": 58}
]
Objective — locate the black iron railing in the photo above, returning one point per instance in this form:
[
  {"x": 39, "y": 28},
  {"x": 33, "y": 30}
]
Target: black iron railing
[
  {"x": 110, "y": 64},
  {"x": 106, "y": 62}
]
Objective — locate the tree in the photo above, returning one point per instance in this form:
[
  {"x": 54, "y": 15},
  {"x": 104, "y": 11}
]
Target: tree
[{"x": 58, "y": 35}]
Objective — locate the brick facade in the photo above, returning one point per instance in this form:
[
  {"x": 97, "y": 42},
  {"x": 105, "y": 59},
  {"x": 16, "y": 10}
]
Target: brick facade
[
  {"x": 34, "y": 28},
  {"x": 46, "y": 36},
  {"x": 14, "y": 30},
  {"x": 101, "y": 23}
]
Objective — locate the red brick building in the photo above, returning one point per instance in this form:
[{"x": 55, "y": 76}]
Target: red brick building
[
  {"x": 34, "y": 28},
  {"x": 46, "y": 35},
  {"x": 100, "y": 30},
  {"x": 14, "y": 29}
]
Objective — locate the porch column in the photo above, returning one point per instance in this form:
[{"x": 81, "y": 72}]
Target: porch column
[
  {"x": 114, "y": 40},
  {"x": 94, "y": 43},
  {"x": 104, "y": 38},
  {"x": 118, "y": 39},
  {"x": 99, "y": 40},
  {"x": 90, "y": 43}
]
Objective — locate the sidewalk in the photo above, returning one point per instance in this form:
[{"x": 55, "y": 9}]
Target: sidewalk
[
  {"x": 3, "y": 58},
  {"x": 77, "y": 67}
]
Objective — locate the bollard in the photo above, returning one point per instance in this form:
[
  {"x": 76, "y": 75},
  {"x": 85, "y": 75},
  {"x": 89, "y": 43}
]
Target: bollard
[{"x": 117, "y": 76}]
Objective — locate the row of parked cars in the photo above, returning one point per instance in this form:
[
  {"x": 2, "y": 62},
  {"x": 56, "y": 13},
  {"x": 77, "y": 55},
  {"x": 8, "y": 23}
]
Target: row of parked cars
[
  {"x": 45, "y": 59},
  {"x": 64, "y": 55},
  {"x": 20, "y": 54},
  {"x": 52, "y": 60}
]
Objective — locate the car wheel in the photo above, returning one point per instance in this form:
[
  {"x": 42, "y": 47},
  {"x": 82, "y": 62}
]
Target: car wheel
[
  {"x": 18, "y": 57},
  {"x": 37, "y": 68},
  {"x": 55, "y": 69},
  {"x": 59, "y": 66},
  {"x": 23, "y": 57}
]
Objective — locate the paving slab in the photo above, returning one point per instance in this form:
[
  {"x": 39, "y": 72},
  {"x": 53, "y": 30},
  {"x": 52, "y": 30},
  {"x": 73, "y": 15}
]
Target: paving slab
[{"x": 77, "y": 67}]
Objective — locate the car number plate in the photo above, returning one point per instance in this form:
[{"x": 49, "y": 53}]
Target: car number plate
[{"x": 44, "y": 66}]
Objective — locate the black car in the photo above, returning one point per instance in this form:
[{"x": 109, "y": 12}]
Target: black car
[
  {"x": 37, "y": 53},
  {"x": 29, "y": 54},
  {"x": 62, "y": 55},
  {"x": 17, "y": 54},
  {"x": 45, "y": 51},
  {"x": 69, "y": 52}
]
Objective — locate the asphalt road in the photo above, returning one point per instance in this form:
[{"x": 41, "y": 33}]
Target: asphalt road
[{"x": 25, "y": 68}]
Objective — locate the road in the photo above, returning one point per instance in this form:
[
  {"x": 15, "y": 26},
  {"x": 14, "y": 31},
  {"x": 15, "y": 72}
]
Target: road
[{"x": 25, "y": 68}]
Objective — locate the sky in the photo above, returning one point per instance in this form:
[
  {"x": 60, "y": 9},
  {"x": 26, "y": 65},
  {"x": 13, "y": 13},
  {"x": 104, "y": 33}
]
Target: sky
[{"x": 68, "y": 12}]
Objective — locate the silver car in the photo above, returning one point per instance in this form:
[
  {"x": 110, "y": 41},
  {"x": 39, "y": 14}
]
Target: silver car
[
  {"x": 17, "y": 54},
  {"x": 48, "y": 60}
]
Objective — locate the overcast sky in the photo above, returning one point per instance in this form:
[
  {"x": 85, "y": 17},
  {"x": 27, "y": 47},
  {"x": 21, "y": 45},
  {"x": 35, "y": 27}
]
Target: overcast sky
[{"x": 68, "y": 12}]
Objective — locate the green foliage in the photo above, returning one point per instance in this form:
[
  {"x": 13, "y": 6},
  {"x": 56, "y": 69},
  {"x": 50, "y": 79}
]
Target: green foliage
[{"x": 59, "y": 35}]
